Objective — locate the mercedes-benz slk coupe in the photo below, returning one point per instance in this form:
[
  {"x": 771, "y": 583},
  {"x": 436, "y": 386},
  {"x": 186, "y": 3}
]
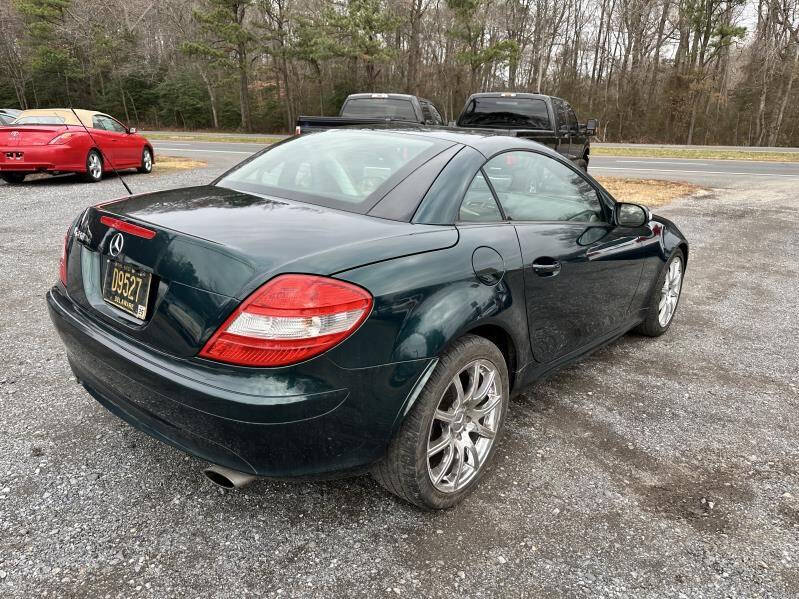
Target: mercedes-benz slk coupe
[
  {"x": 357, "y": 300},
  {"x": 63, "y": 140}
]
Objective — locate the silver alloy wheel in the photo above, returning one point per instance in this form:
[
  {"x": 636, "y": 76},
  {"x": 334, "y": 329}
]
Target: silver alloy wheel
[
  {"x": 147, "y": 161},
  {"x": 464, "y": 426},
  {"x": 95, "y": 166},
  {"x": 670, "y": 293}
]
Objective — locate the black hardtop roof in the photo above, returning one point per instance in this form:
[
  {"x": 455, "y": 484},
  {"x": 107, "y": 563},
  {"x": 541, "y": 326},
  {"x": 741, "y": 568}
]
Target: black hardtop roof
[
  {"x": 511, "y": 95},
  {"x": 377, "y": 95}
]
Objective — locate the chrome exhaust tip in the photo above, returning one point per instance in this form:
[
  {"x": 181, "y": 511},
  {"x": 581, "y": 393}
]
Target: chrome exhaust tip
[{"x": 227, "y": 478}]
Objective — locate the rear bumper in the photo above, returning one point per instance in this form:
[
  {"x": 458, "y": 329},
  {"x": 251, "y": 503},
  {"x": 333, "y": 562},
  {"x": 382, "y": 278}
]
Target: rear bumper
[
  {"x": 307, "y": 420},
  {"x": 29, "y": 159}
]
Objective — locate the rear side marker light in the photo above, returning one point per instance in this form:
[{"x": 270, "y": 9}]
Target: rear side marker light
[
  {"x": 62, "y": 263},
  {"x": 121, "y": 225},
  {"x": 289, "y": 319}
]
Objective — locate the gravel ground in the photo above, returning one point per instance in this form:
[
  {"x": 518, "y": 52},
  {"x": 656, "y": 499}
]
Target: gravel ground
[{"x": 654, "y": 468}]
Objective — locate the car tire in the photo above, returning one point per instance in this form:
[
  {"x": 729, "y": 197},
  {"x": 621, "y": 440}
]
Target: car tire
[
  {"x": 437, "y": 420},
  {"x": 13, "y": 178},
  {"x": 665, "y": 297},
  {"x": 94, "y": 167},
  {"x": 146, "y": 161}
]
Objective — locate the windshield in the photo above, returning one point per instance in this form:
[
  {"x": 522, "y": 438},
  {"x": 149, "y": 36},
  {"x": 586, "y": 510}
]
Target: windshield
[
  {"x": 521, "y": 113},
  {"x": 39, "y": 120},
  {"x": 394, "y": 108},
  {"x": 346, "y": 169}
]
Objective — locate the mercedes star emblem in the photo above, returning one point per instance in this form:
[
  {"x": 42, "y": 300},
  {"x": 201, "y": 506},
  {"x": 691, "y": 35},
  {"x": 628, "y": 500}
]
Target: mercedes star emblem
[{"x": 117, "y": 241}]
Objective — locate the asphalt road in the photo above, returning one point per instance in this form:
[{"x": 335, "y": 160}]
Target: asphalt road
[{"x": 709, "y": 173}]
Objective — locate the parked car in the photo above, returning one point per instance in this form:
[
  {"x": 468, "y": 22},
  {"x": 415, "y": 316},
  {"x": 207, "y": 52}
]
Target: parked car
[
  {"x": 7, "y": 115},
  {"x": 374, "y": 109},
  {"x": 64, "y": 141},
  {"x": 548, "y": 120},
  {"x": 357, "y": 300}
]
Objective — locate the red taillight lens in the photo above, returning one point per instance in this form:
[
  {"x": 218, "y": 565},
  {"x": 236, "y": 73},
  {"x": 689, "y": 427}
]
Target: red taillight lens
[
  {"x": 297, "y": 130},
  {"x": 125, "y": 227},
  {"x": 62, "y": 263},
  {"x": 289, "y": 319}
]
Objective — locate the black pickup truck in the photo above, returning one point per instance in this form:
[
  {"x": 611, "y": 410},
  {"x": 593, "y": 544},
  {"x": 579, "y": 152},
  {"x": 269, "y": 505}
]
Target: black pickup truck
[
  {"x": 545, "y": 119},
  {"x": 374, "y": 109}
]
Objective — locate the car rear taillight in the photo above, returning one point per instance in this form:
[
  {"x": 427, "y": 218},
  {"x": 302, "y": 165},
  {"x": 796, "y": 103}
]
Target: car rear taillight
[
  {"x": 297, "y": 130},
  {"x": 63, "y": 138},
  {"x": 126, "y": 227},
  {"x": 289, "y": 319},
  {"x": 62, "y": 263}
]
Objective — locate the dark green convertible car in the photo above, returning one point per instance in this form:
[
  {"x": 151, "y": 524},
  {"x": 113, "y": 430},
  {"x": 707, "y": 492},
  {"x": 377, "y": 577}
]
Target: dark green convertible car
[{"x": 357, "y": 300}]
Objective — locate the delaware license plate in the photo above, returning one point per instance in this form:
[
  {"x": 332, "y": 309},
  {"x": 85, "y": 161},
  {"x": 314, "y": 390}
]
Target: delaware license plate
[{"x": 127, "y": 288}]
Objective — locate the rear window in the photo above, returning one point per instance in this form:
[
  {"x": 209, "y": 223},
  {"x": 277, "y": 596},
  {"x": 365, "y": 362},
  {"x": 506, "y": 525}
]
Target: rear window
[
  {"x": 346, "y": 169},
  {"x": 379, "y": 107},
  {"x": 518, "y": 113},
  {"x": 40, "y": 120}
]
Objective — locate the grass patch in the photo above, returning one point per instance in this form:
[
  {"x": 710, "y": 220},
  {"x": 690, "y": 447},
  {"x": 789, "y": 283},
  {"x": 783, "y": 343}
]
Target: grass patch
[
  {"x": 176, "y": 163},
  {"x": 696, "y": 153},
  {"x": 211, "y": 137},
  {"x": 649, "y": 192}
]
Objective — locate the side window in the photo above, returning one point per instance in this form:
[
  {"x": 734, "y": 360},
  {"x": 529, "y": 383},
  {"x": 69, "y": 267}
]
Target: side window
[
  {"x": 560, "y": 112},
  {"x": 436, "y": 115},
  {"x": 479, "y": 204},
  {"x": 112, "y": 125},
  {"x": 533, "y": 186},
  {"x": 97, "y": 123},
  {"x": 426, "y": 115},
  {"x": 574, "y": 126}
]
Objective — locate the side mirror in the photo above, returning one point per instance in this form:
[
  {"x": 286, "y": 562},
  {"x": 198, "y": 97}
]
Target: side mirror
[
  {"x": 631, "y": 215},
  {"x": 132, "y": 130},
  {"x": 591, "y": 126}
]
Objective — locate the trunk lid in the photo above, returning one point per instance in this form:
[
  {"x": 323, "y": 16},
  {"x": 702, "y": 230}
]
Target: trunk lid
[
  {"x": 213, "y": 246},
  {"x": 29, "y": 135}
]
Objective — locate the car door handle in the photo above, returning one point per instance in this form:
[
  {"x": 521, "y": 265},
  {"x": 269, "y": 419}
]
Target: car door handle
[{"x": 546, "y": 267}]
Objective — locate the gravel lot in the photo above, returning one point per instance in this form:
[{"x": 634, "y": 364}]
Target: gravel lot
[{"x": 654, "y": 468}]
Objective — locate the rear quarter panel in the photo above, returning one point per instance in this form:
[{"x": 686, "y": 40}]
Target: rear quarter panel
[{"x": 426, "y": 301}]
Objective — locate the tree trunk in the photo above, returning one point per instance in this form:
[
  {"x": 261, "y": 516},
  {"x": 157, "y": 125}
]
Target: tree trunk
[
  {"x": 211, "y": 97},
  {"x": 775, "y": 130},
  {"x": 414, "y": 49},
  {"x": 244, "y": 88}
]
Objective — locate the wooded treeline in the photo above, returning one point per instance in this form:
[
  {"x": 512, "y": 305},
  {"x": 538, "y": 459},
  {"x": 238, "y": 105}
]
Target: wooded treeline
[{"x": 682, "y": 71}]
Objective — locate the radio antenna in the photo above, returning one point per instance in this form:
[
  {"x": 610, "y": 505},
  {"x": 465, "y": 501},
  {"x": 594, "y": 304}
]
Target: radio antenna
[{"x": 105, "y": 158}]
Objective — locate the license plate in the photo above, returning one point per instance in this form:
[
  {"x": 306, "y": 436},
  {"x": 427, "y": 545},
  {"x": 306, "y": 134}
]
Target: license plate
[{"x": 127, "y": 288}]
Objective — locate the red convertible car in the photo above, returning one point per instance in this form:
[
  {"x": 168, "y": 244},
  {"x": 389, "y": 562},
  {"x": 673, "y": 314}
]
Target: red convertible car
[{"x": 55, "y": 141}]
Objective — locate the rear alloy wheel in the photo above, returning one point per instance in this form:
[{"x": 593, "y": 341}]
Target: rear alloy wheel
[
  {"x": 446, "y": 442},
  {"x": 146, "y": 161},
  {"x": 13, "y": 178},
  {"x": 665, "y": 299},
  {"x": 94, "y": 167}
]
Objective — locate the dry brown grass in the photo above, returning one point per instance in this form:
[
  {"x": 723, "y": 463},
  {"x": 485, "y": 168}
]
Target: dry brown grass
[
  {"x": 649, "y": 192},
  {"x": 696, "y": 153},
  {"x": 176, "y": 163}
]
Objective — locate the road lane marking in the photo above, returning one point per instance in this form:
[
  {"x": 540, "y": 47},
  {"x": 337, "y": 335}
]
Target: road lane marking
[
  {"x": 653, "y": 170},
  {"x": 157, "y": 147},
  {"x": 660, "y": 162},
  {"x": 194, "y": 143}
]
